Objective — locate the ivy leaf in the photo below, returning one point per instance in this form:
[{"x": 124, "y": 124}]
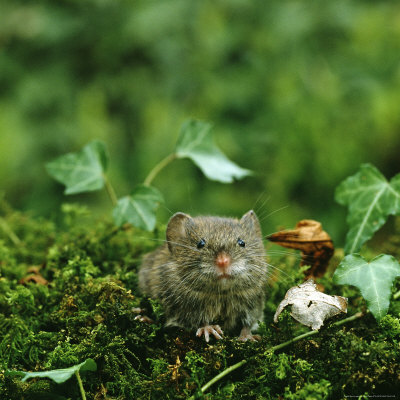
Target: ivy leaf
[
  {"x": 82, "y": 171},
  {"x": 374, "y": 279},
  {"x": 371, "y": 199},
  {"x": 195, "y": 142},
  {"x": 138, "y": 208},
  {"x": 58, "y": 375}
]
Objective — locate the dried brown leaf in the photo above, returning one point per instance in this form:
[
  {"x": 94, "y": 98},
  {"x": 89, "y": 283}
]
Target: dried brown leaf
[
  {"x": 314, "y": 243},
  {"x": 34, "y": 276},
  {"x": 175, "y": 369}
]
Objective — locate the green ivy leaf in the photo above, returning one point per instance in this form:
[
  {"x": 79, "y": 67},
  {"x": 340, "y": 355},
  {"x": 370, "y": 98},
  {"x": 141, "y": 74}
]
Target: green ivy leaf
[
  {"x": 374, "y": 279},
  {"x": 195, "y": 142},
  {"x": 58, "y": 375},
  {"x": 82, "y": 171},
  {"x": 138, "y": 209},
  {"x": 371, "y": 199}
]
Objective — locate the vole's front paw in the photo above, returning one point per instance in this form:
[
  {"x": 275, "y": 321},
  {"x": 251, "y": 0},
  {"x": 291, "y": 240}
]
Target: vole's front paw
[
  {"x": 251, "y": 337},
  {"x": 142, "y": 318},
  {"x": 246, "y": 334},
  {"x": 210, "y": 329}
]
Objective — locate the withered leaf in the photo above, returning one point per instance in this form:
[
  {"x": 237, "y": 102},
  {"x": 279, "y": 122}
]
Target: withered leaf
[
  {"x": 175, "y": 369},
  {"x": 34, "y": 276},
  {"x": 311, "y": 307},
  {"x": 314, "y": 243}
]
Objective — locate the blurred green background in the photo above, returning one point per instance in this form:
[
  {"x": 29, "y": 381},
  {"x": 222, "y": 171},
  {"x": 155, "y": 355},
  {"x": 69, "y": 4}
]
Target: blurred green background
[{"x": 301, "y": 92}]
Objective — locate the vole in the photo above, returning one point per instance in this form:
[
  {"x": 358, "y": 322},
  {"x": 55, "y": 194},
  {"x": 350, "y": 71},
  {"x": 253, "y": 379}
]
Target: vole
[{"x": 210, "y": 274}]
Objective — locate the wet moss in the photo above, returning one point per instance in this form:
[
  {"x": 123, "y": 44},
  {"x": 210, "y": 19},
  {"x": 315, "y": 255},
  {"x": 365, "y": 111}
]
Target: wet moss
[{"x": 87, "y": 309}]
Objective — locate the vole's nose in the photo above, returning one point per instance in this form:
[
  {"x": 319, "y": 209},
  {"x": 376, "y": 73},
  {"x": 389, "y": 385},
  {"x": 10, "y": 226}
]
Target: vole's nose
[{"x": 223, "y": 260}]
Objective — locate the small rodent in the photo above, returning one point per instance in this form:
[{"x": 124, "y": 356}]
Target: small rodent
[{"x": 211, "y": 271}]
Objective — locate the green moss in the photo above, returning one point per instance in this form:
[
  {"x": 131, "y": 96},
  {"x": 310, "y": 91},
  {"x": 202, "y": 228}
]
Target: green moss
[
  {"x": 87, "y": 310},
  {"x": 311, "y": 391},
  {"x": 390, "y": 327}
]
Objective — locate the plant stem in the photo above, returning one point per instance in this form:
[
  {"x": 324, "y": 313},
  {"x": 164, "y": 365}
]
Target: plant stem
[
  {"x": 289, "y": 342},
  {"x": 310, "y": 333},
  {"x": 352, "y": 318},
  {"x": 78, "y": 377},
  {"x": 222, "y": 374},
  {"x": 6, "y": 228},
  {"x": 157, "y": 168},
  {"x": 272, "y": 349},
  {"x": 110, "y": 190},
  {"x": 396, "y": 295}
]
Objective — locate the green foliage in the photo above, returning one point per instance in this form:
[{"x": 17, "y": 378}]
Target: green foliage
[
  {"x": 371, "y": 199},
  {"x": 138, "y": 208},
  {"x": 82, "y": 171},
  {"x": 86, "y": 311},
  {"x": 270, "y": 78},
  {"x": 71, "y": 75},
  {"x": 311, "y": 391},
  {"x": 59, "y": 375},
  {"x": 374, "y": 279},
  {"x": 390, "y": 326},
  {"x": 195, "y": 364},
  {"x": 195, "y": 142},
  {"x": 281, "y": 370},
  {"x": 85, "y": 171}
]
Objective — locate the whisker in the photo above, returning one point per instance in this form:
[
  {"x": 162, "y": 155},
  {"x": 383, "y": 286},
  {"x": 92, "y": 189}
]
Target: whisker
[
  {"x": 279, "y": 270},
  {"x": 260, "y": 207},
  {"x": 273, "y": 212},
  {"x": 279, "y": 254},
  {"x": 166, "y": 208},
  {"x": 286, "y": 234}
]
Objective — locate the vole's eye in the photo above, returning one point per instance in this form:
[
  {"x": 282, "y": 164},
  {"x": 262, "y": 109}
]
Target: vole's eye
[
  {"x": 241, "y": 243},
  {"x": 201, "y": 244}
]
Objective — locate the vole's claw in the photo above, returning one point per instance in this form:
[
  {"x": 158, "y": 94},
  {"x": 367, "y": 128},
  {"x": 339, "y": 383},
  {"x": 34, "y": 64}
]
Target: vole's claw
[
  {"x": 251, "y": 337},
  {"x": 245, "y": 334},
  {"x": 144, "y": 318},
  {"x": 210, "y": 329},
  {"x": 141, "y": 318}
]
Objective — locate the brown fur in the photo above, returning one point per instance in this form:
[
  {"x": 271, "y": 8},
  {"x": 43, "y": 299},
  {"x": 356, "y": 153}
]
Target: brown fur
[{"x": 185, "y": 278}]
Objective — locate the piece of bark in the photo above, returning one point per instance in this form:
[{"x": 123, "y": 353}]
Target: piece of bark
[{"x": 314, "y": 243}]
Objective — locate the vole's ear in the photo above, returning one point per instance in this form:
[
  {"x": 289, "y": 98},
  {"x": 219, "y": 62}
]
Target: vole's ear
[
  {"x": 176, "y": 229},
  {"x": 251, "y": 222}
]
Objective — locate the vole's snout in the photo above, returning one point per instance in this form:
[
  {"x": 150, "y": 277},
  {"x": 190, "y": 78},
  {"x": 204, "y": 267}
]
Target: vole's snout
[{"x": 223, "y": 263}]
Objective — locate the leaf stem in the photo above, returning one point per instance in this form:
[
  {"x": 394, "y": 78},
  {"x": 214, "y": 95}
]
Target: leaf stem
[
  {"x": 78, "y": 377},
  {"x": 110, "y": 190},
  {"x": 396, "y": 295},
  {"x": 6, "y": 228},
  {"x": 158, "y": 167},
  {"x": 272, "y": 349},
  {"x": 222, "y": 374}
]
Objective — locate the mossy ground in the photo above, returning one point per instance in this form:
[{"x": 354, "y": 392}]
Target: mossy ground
[{"x": 85, "y": 310}]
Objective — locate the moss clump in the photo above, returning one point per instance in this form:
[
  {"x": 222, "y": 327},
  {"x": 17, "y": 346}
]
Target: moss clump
[{"x": 87, "y": 309}]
